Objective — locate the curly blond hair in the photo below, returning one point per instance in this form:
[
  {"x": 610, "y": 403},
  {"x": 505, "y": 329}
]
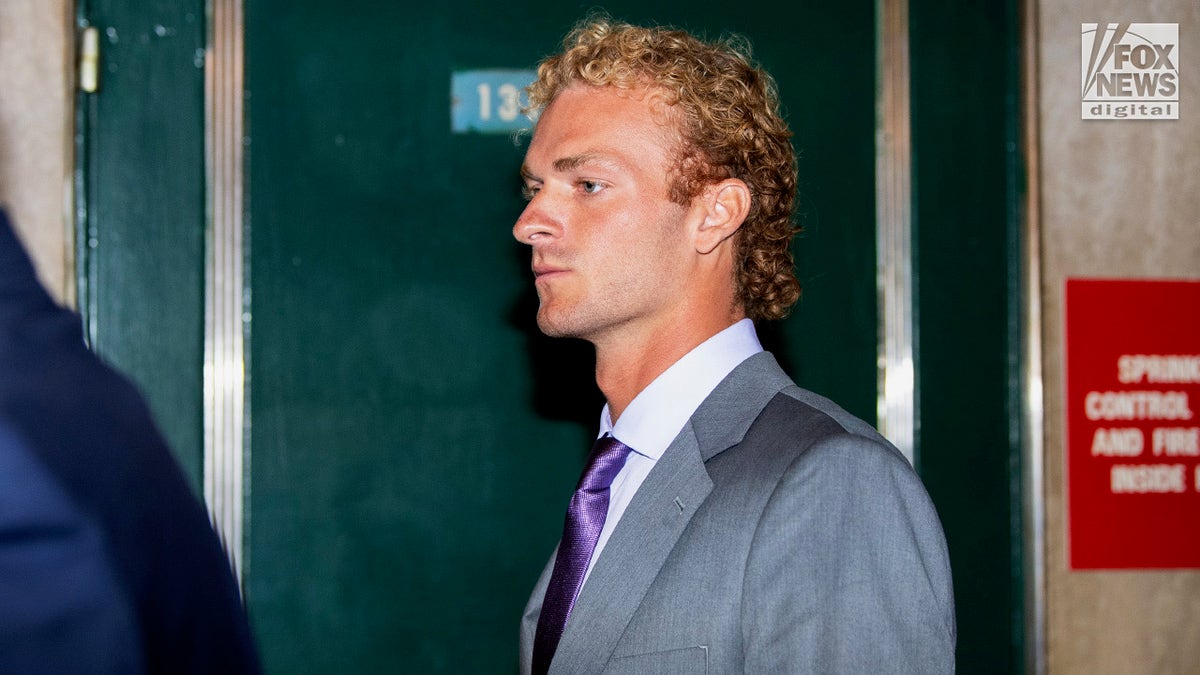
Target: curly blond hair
[{"x": 728, "y": 112}]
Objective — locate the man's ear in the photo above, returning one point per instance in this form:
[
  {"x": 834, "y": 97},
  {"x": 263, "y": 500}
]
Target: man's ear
[{"x": 726, "y": 205}]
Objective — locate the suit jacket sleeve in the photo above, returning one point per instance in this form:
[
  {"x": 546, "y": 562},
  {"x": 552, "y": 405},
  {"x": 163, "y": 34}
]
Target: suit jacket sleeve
[{"x": 848, "y": 570}]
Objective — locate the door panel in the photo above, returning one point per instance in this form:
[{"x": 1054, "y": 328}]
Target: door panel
[
  {"x": 140, "y": 186},
  {"x": 414, "y": 439},
  {"x": 967, "y": 229}
]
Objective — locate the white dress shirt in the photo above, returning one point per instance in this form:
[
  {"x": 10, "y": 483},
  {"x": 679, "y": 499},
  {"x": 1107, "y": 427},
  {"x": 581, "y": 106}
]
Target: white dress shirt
[{"x": 656, "y": 415}]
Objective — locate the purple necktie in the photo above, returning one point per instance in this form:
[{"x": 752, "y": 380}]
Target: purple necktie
[{"x": 585, "y": 519}]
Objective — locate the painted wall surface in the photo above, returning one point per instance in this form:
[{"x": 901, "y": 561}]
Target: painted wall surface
[
  {"x": 1120, "y": 199},
  {"x": 36, "y": 47}
]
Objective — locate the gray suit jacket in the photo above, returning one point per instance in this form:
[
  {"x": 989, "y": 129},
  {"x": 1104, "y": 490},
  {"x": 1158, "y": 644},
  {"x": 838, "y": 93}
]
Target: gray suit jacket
[{"x": 777, "y": 534}]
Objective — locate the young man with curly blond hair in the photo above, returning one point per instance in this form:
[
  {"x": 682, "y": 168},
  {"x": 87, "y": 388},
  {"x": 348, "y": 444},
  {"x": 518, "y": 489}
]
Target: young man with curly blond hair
[{"x": 727, "y": 521}]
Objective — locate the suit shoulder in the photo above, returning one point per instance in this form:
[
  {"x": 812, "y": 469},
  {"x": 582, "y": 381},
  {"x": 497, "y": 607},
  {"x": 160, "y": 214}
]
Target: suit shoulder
[
  {"x": 806, "y": 420},
  {"x": 798, "y": 433},
  {"x": 803, "y": 398}
]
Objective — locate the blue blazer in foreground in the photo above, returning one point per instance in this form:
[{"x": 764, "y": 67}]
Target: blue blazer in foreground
[{"x": 108, "y": 563}]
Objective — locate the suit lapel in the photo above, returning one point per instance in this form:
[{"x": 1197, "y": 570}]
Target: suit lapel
[
  {"x": 723, "y": 418},
  {"x": 655, "y": 519},
  {"x": 633, "y": 556}
]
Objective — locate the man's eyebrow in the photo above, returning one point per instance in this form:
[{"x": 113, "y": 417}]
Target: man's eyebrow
[
  {"x": 576, "y": 161},
  {"x": 573, "y": 162}
]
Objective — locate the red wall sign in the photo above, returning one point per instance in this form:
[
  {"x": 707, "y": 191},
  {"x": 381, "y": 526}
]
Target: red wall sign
[{"x": 1133, "y": 423}]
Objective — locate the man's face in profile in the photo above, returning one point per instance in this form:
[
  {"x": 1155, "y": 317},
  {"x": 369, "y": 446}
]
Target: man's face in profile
[{"x": 609, "y": 251}]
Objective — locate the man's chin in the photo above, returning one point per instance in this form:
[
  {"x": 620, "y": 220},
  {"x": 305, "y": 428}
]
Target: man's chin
[
  {"x": 555, "y": 325},
  {"x": 551, "y": 328}
]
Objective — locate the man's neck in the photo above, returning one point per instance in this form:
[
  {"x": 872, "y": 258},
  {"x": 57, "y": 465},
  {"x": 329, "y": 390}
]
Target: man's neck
[{"x": 625, "y": 367}]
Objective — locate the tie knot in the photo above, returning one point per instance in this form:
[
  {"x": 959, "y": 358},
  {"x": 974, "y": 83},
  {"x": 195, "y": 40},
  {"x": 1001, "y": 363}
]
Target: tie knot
[{"x": 605, "y": 462}]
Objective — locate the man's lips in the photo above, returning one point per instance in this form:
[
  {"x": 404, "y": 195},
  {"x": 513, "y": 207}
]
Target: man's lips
[{"x": 548, "y": 271}]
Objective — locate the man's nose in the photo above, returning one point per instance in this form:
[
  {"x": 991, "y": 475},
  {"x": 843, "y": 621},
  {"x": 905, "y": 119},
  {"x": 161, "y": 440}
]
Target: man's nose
[{"x": 536, "y": 224}]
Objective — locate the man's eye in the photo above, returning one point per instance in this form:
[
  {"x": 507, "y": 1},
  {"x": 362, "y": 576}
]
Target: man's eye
[
  {"x": 591, "y": 187},
  {"x": 529, "y": 191}
]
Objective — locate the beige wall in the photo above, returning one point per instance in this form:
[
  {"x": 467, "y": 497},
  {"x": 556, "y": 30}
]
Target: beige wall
[
  {"x": 1118, "y": 199},
  {"x": 36, "y": 43}
]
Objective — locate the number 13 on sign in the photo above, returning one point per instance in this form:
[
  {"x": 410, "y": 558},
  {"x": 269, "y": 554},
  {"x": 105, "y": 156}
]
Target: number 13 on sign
[{"x": 488, "y": 101}]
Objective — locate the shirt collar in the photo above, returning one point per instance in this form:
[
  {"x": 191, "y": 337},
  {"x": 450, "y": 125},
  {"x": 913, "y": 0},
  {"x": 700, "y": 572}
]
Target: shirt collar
[{"x": 656, "y": 415}]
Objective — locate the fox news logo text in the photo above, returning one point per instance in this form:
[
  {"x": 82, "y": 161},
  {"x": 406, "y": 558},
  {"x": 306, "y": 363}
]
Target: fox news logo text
[{"x": 1130, "y": 71}]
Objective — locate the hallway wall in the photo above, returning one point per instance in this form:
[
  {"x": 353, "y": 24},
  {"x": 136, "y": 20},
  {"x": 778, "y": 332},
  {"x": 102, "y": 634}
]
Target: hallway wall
[
  {"x": 37, "y": 80},
  {"x": 1119, "y": 199}
]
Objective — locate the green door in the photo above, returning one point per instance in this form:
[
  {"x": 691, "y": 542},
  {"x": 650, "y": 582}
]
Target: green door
[{"x": 412, "y": 439}]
